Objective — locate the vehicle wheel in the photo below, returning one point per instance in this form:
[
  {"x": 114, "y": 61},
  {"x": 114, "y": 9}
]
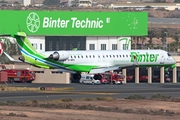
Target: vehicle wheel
[
  {"x": 24, "y": 80},
  {"x": 113, "y": 82},
  {"x": 29, "y": 81},
  {"x": 10, "y": 80}
]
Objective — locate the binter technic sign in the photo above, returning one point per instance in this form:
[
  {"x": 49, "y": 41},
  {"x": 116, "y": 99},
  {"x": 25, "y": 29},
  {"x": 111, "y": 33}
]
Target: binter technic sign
[{"x": 65, "y": 23}]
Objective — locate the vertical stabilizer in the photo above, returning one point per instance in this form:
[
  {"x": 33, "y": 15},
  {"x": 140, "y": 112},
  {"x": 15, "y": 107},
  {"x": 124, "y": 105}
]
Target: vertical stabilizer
[{"x": 23, "y": 43}]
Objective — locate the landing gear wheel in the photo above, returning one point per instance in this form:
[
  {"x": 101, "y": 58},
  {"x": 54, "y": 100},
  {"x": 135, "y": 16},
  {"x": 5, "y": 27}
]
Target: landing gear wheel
[
  {"x": 97, "y": 77},
  {"x": 76, "y": 77}
]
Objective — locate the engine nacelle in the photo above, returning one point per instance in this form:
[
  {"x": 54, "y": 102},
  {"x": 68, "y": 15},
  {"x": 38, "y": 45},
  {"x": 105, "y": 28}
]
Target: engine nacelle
[{"x": 59, "y": 55}]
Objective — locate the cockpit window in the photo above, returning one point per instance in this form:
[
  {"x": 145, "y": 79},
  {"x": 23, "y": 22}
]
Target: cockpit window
[{"x": 168, "y": 54}]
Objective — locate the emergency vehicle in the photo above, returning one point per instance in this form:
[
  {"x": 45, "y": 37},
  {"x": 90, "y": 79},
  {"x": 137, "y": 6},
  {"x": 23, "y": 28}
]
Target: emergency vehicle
[
  {"x": 19, "y": 75},
  {"x": 114, "y": 78},
  {"x": 143, "y": 76}
]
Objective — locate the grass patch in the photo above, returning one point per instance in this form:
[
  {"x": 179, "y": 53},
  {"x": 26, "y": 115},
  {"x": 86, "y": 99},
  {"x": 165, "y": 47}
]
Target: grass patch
[
  {"x": 87, "y": 99},
  {"x": 19, "y": 115},
  {"x": 136, "y": 97},
  {"x": 11, "y": 102},
  {"x": 160, "y": 97},
  {"x": 7, "y": 88},
  {"x": 66, "y": 100},
  {"x": 104, "y": 99}
]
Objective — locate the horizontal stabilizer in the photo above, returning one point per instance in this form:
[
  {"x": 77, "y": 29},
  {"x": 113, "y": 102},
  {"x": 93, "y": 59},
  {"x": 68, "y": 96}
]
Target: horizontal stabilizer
[{"x": 10, "y": 58}]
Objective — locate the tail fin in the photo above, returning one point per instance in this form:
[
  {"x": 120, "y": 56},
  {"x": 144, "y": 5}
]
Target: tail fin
[{"x": 23, "y": 43}]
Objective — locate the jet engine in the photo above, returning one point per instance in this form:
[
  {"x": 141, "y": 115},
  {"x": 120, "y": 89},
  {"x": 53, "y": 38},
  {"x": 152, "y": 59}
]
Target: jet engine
[{"x": 59, "y": 55}]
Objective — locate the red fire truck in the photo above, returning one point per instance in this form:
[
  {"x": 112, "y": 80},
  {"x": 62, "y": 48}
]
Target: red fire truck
[
  {"x": 19, "y": 75},
  {"x": 114, "y": 78}
]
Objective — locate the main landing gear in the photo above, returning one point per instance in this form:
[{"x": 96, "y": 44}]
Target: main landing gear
[
  {"x": 76, "y": 77},
  {"x": 97, "y": 77}
]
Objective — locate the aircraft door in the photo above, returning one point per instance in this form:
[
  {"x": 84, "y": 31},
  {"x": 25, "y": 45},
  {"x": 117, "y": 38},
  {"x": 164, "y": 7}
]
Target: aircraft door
[{"x": 162, "y": 58}]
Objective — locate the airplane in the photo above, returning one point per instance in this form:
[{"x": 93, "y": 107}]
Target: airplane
[{"x": 91, "y": 61}]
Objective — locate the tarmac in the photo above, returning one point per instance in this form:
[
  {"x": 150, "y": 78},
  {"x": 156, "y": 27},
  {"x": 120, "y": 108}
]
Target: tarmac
[{"x": 90, "y": 91}]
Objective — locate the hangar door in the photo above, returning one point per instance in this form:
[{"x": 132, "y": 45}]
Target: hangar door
[{"x": 65, "y": 43}]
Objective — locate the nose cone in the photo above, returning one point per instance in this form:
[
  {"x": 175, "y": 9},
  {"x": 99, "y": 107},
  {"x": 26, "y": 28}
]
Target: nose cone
[{"x": 173, "y": 60}]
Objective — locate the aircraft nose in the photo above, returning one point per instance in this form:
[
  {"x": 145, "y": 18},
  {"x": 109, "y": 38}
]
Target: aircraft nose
[{"x": 173, "y": 60}]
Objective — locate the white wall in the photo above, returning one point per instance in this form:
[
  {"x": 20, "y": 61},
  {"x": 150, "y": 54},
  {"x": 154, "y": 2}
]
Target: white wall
[
  {"x": 109, "y": 41},
  {"x": 26, "y": 2},
  {"x": 38, "y": 41},
  {"x": 91, "y": 40}
]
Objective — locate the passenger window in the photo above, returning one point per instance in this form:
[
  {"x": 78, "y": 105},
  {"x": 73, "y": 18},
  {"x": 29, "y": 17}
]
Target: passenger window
[
  {"x": 123, "y": 55},
  {"x": 126, "y": 55},
  {"x": 71, "y": 56},
  {"x": 93, "y": 56},
  {"x": 98, "y": 56},
  {"x": 74, "y": 56},
  {"x": 117, "y": 56},
  {"x": 114, "y": 56},
  {"x": 87, "y": 77},
  {"x": 78, "y": 56},
  {"x": 107, "y": 56},
  {"x": 103, "y": 56},
  {"x": 89, "y": 56},
  {"x": 81, "y": 56},
  {"x": 110, "y": 56},
  {"x": 86, "y": 56}
]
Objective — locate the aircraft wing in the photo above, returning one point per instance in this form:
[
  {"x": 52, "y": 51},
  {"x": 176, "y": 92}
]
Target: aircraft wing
[{"x": 104, "y": 69}]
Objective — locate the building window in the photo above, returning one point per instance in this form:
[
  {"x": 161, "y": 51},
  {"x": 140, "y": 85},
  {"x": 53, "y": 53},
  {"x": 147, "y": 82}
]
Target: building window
[
  {"x": 103, "y": 46},
  {"x": 41, "y": 46},
  {"x": 34, "y": 45},
  {"x": 91, "y": 46},
  {"x": 125, "y": 46},
  {"x": 114, "y": 46},
  {"x": 57, "y": 45},
  {"x": 50, "y": 45}
]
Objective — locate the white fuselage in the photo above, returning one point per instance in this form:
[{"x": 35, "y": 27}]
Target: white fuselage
[{"x": 105, "y": 58}]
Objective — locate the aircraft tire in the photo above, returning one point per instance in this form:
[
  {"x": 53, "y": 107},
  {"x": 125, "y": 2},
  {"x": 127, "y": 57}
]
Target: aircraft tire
[
  {"x": 97, "y": 77},
  {"x": 76, "y": 77}
]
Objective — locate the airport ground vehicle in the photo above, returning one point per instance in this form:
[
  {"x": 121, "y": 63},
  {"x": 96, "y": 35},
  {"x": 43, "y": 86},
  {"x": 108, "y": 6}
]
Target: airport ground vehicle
[
  {"x": 88, "y": 79},
  {"x": 19, "y": 75},
  {"x": 114, "y": 78},
  {"x": 103, "y": 81}
]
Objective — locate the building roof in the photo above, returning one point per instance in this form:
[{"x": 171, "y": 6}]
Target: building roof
[{"x": 144, "y": 4}]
